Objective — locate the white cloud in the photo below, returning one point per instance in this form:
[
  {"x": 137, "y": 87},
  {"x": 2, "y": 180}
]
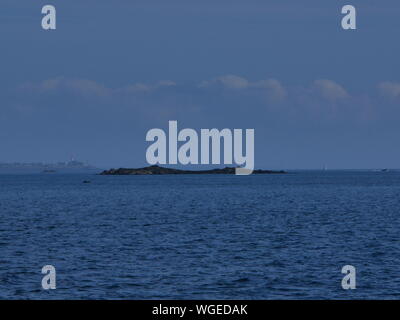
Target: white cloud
[
  {"x": 330, "y": 89},
  {"x": 141, "y": 87},
  {"x": 87, "y": 87},
  {"x": 165, "y": 83},
  {"x": 390, "y": 89},
  {"x": 136, "y": 87},
  {"x": 228, "y": 81},
  {"x": 79, "y": 86},
  {"x": 273, "y": 87},
  {"x": 90, "y": 87}
]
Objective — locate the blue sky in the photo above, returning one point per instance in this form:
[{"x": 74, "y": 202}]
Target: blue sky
[{"x": 314, "y": 93}]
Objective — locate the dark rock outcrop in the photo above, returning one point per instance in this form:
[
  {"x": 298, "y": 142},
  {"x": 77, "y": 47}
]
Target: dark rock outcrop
[{"x": 157, "y": 170}]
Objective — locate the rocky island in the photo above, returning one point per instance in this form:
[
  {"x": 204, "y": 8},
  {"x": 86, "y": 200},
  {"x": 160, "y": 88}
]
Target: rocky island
[{"x": 157, "y": 170}]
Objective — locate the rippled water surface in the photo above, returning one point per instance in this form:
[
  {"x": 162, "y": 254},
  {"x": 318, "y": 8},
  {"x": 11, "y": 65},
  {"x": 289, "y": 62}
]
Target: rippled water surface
[{"x": 198, "y": 237}]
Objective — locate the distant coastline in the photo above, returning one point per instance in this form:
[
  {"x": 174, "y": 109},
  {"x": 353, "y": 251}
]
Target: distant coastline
[
  {"x": 157, "y": 170},
  {"x": 59, "y": 165},
  {"x": 71, "y": 166}
]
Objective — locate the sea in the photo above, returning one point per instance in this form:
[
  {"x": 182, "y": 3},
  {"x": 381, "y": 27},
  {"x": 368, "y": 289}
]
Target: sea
[{"x": 274, "y": 236}]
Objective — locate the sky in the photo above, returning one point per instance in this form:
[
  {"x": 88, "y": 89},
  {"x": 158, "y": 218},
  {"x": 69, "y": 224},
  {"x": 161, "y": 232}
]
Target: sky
[{"x": 315, "y": 94}]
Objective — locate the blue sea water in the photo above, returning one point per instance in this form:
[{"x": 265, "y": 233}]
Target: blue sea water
[{"x": 201, "y": 236}]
